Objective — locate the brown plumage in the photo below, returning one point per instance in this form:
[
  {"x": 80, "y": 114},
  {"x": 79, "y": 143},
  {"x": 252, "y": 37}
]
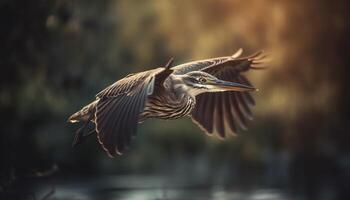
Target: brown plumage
[{"x": 213, "y": 92}]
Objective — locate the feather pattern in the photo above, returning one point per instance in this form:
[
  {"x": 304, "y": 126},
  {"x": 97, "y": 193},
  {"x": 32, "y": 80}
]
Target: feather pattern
[
  {"x": 118, "y": 109},
  {"x": 224, "y": 111}
]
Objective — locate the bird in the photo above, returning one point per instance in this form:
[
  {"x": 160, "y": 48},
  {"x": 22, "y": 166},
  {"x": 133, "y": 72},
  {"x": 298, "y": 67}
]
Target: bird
[{"x": 213, "y": 92}]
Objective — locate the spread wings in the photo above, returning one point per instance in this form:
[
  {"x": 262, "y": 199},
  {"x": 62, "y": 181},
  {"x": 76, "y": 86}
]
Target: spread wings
[
  {"x": 224, "y": 112},
  {"x": 119, "y": 106}
]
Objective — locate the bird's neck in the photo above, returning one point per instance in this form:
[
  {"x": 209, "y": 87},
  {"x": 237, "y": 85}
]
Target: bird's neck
[{"x": 179, "y": 90}]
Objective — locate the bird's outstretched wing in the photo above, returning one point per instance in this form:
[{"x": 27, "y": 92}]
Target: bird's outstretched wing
[
  {"x": 119, "y": 106},
  {"x": 199, "y": 65},
  {"x": 225, "y": 112}
]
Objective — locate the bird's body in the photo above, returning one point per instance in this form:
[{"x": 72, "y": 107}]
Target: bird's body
[
  {"x": 167, "y": 107},
  {"x": 212, "y": 92}
]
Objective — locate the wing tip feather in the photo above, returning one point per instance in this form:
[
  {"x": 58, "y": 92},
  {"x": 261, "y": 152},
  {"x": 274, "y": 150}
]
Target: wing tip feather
[{"x": 237, "y": 53}]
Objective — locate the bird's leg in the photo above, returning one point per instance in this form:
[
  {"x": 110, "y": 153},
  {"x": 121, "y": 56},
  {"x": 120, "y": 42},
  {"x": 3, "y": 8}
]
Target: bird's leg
[
  {"x": 82, "y": 138},
  {"x": 79, "y": 136}
]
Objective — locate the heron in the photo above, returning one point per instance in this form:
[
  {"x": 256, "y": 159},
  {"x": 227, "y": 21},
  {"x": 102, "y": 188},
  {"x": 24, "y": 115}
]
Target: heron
[{"x": 213, "y": 92}]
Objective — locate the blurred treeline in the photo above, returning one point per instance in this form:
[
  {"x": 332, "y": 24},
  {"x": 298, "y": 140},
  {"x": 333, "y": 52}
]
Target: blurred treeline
[{"x": 57, "y": 54}]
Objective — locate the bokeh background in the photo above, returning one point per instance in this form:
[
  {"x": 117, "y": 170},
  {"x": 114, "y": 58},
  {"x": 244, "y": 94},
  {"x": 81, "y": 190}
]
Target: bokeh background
[{"x": 57, "y": 54}]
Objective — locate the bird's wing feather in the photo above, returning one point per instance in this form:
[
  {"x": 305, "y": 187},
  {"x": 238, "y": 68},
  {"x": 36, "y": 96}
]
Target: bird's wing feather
[
  {"x": 199, "y": 65},
  {"x": 225, "y": 112},
  {"x": 119, "y": 106}
]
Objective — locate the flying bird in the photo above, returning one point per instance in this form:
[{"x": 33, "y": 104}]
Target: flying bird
[{"x": 214, "y": 93}]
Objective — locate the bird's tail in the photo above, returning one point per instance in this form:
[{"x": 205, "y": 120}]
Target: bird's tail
[{"x": 84, "y": 114}]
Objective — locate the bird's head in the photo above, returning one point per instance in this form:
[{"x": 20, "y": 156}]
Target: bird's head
[{"x": 198, "y": 82}]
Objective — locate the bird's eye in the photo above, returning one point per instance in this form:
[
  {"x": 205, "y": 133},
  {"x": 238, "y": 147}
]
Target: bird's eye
[{"x": 202, "y": 80}]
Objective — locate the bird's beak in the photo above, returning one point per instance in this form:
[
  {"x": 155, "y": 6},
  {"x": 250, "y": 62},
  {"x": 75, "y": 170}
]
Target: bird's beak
[{"x": 230, "y": 86}]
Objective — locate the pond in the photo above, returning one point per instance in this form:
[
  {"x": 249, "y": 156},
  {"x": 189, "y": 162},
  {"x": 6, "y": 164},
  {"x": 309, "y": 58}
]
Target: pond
[{"x": 147, "y": 188}]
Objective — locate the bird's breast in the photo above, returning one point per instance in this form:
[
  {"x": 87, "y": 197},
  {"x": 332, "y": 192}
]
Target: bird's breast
[{"x": 166, "y": 107}]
